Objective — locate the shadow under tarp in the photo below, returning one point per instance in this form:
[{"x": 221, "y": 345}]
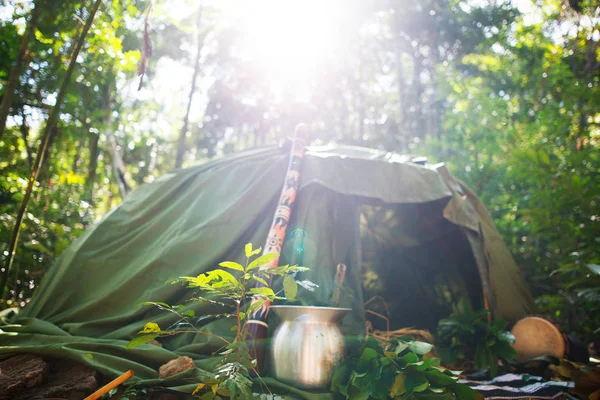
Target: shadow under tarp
[{"x": 188, "y": 221}]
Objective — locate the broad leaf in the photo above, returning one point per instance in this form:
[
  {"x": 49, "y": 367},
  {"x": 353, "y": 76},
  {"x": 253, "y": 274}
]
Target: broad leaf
[
  {"x": 265, "y": 291},
  {"x": 401, "y": 347},
  {"x": 249, "y": 252},
  {"x": 366, "y": 358},
  {"x": 138, "y": 341},
  {"x": 595, "y": 268},
  {"x": 262, "y": 260},
  {"x": 231, "y": 265},
  {"x": 464, "y": 392},
  {"x": 416, "y": 382},
  {"x": 290, "y": 288},
  {"x": 439, "y": 378},
  {"x": 399, "y": 386},
  {"x": 259, "y": 279}
]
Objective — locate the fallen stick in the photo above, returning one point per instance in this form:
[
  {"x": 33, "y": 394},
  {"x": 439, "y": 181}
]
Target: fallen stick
[{"x": 109, "y": 386}]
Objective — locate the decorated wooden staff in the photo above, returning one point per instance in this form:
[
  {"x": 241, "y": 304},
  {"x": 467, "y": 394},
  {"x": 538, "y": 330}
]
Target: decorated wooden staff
[{"x": 256, "y": 326}]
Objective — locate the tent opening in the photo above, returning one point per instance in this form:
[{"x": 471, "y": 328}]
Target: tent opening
[{"x": 418, "y": 262}]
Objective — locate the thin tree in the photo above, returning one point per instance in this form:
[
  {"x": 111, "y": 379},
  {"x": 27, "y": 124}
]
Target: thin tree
[
  {"x": 52, "y": 120},
  {"x": 15, "y": 72},
  {"x": 186, "y": 118}
]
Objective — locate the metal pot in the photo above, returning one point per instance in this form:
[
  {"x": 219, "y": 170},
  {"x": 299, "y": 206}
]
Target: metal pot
[{"x": 307, "y": 345}]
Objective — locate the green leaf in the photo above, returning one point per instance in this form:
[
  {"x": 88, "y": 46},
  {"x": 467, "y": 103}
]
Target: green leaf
[
  {"x": 401, "y": 347},
  {"x": 150, "y": 327},
  {"x": 262, "y": 260},
  {"x": 421, "y": 388},
  {"x": 190, "y": 313},
  {"x": 420, "y": 347},
  {"x": 595, "y": 268},
  {"x": 543, "y": 158},
  {"x": 366, "y": 358},
  {"x": 464, "y": 392},
  {"x": 290, "y": 288},
  {"x": 504, "y": 350},
  {"x": 363, "y": 394},
  {"x": 399, "y": 386},
  {"x": 480, "y": 359},
  {"x": 410, "y": 358},
  {"x": 340, "y": 376},
  {"x": 437, "y": 394},
  {"x": 259, "y": 279},
  {"x": 231, "y": 265},
  {"x": 439, "y": 378},
  {"x": 250, "y": 252},
  {"x": 141, "y": 340},
  {"x": 416, "y": 382},
  {"x": 435, "y": 362},
  {"x": 265, "y": 291},
  {"x": 33, "y": 245}
]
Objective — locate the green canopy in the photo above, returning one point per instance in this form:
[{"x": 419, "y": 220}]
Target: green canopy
[{"x": 186, "y": 222}]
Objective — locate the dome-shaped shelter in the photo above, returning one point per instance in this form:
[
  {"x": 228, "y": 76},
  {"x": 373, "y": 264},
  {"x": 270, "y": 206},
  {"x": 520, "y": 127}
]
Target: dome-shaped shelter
[{"x": 413, "y": 234}]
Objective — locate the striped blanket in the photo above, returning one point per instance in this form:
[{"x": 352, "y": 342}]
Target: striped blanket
[{"x": 513, "y": 386}]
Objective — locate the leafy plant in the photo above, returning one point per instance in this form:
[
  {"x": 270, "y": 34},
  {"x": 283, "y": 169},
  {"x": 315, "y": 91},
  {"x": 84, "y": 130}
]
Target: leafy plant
[
  {"x": 585, "y": 377},
  {"x": 232, "y": 375},
  {"x": 577, "y": 306},
  {"x": 466, "y": 336},
  {"x": 400, "y": 370}
]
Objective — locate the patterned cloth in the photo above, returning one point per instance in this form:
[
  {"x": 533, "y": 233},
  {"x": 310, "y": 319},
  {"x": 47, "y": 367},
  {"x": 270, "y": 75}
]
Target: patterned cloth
[{"x": 513, "y": 386}]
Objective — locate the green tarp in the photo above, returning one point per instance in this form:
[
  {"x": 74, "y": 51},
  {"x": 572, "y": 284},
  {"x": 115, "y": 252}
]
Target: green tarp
[{"x": 188, "y": 221}]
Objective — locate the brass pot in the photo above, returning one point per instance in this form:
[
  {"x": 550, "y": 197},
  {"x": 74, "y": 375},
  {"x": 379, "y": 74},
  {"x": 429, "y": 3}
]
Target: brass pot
[{"x": 307, "y": 345}]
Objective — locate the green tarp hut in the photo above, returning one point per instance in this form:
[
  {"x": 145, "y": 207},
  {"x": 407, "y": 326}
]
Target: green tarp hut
[{"x": 410, "y": 233}]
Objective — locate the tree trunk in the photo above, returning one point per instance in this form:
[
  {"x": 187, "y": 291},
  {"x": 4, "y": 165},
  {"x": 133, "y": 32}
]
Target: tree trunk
[
  {"x": 52, "y": 119},
  {"x": 25, "y": 135},
  {"x": 184, "y": 129},
  {"x": 15, "y": 72},
  {"x": 42, "y": 174},
  {"x": 93, "y": 165},
  {"x": 417, "y": 125},
  {"x": 118, "y": 166}
]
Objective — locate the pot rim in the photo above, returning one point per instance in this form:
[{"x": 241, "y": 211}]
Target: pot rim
[
  {"x": 322, "y": 314},
  {"x": 314, "y": 307}
]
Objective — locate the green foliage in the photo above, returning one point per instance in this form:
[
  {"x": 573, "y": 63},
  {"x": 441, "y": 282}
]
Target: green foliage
[
  {"x": 466, "y": 335},
  {"x": 520, "y": 129},
  {"x": 232, "y": 375},
  {"x": 400, "y": 370}
]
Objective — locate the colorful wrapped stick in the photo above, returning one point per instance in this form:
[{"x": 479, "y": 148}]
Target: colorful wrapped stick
[{"x": 257, "y": 326}]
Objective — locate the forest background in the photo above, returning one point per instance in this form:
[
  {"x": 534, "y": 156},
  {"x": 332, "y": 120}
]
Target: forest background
[{"x": 504, "y": 92}]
